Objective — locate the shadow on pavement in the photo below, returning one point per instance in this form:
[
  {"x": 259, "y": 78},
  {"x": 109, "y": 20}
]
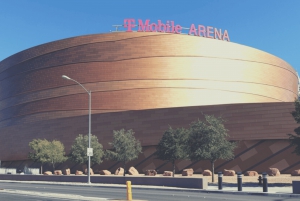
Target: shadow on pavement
[{"x": 251, "y": 184}]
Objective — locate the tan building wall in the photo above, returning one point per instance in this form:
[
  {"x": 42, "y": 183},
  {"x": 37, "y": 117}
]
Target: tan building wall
[{"x": 143, "y": 81}]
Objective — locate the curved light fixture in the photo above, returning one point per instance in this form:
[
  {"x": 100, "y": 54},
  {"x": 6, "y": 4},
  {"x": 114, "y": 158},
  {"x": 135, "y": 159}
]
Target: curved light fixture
[{"x": 65, "y": 77}]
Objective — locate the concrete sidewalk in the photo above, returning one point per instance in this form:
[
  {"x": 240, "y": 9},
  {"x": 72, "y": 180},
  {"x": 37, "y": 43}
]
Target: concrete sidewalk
[
  {"x": 273, "y": 190},
  {"x": 258, "y": 189}
]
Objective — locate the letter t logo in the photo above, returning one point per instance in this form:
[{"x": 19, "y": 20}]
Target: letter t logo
[{"x": 129, "y": 25}]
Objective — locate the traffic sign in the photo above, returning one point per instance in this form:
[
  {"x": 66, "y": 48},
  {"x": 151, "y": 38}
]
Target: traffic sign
[{"x": 89, "y": 152}]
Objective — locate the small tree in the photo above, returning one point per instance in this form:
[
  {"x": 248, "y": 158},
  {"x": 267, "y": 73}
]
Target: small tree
[
  {"x": 208, "y": 141},
  {"x": 45, "y": 151},
  {"x": 173, "y": 146},
  {"x": 78, "y": 151},
  {"x": 37, "y": 153},
  {"x": 125, "y": 147},
  {"x": 295, "y": 139}
]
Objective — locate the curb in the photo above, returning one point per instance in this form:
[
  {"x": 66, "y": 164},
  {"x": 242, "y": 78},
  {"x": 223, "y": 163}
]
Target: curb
[
  {"x": 289, "y": 195},
  {"x": 163, "y": 188}
]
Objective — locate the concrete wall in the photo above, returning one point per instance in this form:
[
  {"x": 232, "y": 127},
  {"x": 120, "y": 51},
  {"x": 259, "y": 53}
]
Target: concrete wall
[
  {"x": 31, "y": 170},
  {"x": 200, "y": 183},
  {"x": 8, "y": 171}
]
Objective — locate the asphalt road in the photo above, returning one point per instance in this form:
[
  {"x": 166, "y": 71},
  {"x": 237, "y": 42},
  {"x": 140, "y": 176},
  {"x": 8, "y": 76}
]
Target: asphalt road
[{"x": 39, "y": 192}]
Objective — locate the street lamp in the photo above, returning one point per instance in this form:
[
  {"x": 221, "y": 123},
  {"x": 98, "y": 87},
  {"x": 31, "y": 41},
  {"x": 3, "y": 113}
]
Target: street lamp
[{"x": 89, "y": 150}]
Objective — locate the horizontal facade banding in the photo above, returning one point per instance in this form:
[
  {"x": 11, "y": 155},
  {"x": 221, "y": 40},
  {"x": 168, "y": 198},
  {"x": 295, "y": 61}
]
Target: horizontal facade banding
[
  {"x": 151, "y": 68},
  {"x": 173, "y": 46},
  {"x": 241, "y": 88},
  {"x": 90, "y": 39},
  {"x": 236, "y": 78},
  {"x": 249, "y": 121},
  {"x": 146, "y": 82},
  {"x": 124, "y": 99},
  {"x": 63, "y": 44}
]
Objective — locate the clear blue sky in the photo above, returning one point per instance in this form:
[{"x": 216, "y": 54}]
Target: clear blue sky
[{"x": 269, "y": 25}]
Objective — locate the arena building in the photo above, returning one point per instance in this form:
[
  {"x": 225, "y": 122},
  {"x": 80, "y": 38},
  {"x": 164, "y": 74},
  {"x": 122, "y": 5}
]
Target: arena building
[{"x": 146, "y": 81}]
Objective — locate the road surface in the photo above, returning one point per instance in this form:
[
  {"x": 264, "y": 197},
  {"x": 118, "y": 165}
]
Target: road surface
[{"x": 28, "y": 192}]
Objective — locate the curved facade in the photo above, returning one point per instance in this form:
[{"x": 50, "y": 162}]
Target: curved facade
[{"x": 141, "y": 81}]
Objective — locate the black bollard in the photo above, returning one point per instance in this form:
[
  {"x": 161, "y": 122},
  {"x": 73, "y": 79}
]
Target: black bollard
[
  {"x": 220, "y": 180},
  {"x": 265, "y": 182},
  {"x": 239, "y": 180}
]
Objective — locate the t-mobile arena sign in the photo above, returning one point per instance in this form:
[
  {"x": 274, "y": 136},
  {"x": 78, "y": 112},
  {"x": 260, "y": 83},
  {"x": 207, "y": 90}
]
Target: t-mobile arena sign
[{"x": 170, "y": 27}]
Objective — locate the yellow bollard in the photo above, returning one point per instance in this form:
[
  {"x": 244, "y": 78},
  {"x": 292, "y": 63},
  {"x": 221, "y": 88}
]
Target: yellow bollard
[{"x": 129, "y": 193}]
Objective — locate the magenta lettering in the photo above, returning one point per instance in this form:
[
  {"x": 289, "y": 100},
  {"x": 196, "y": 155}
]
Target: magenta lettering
[
  {"x": 144, "y": 27},
  {"x": 178, "y": 29},
  {"x": 201, "y": 31},
  {"x": 171, "y": 27},
  {"x": 153, "y": 27},
  {"x": 161, "y": 27},
  {"x": 209, "y": 31},
  {"x": 193, "y": 30},
  {"x": 128, "y": 25},
  {"x": 218, "y": 34},
  {"x": 226, "y": 36}
]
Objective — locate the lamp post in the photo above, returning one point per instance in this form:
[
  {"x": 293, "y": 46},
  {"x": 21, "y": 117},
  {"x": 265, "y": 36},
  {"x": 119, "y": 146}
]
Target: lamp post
[{"x": 90, "y": 103}]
